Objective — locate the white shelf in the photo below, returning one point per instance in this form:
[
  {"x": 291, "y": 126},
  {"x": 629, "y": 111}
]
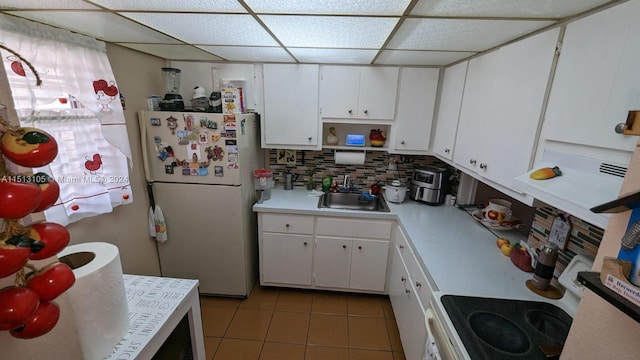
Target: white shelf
[{"x": 355, "y": 148}]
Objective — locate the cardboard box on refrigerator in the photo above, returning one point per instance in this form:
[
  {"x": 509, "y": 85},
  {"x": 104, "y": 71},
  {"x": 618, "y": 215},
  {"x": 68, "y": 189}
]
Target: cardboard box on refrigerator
[{"x": 232, "y": 101}]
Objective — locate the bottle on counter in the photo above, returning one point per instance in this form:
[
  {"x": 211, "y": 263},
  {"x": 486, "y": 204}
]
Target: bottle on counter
[{"x": 326, "y": 183}]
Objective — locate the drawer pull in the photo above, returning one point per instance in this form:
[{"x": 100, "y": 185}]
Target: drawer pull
[
  {"x": 400, "y": 247},
  {"x": 287, "y": 225},
  {"x": 344, "y": 246},
  {"x": 407, "y": 291},
  {"x": 403, "y": 279},
  {"x": 304, "y": 243},
  {"x": 418, "y": 284},
  {"x": 359, "y": 247}
]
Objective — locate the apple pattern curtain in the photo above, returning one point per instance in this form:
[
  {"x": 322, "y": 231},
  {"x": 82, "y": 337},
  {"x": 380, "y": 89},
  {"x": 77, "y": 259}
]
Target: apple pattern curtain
[{"x": 79, "y": 104}]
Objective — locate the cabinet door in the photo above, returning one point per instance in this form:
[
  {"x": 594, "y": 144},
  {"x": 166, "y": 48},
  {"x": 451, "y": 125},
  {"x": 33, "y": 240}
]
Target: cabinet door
[
  {"x": 332, "y": 261},
  {"x": 449, "y": 110},
  {"x": 368, "y": 265},
  {"x": 339, "y": 91},
  {"x": 408, "y": 311},
  {"x": 597, "y": 80},
  {"x": 286, "y": 258},
  {"x": 291, "y": 109},
  {"x": 416, "y": 102},
  {"x": 501, "y": 108},
  {"x": 378, "y": 90}
]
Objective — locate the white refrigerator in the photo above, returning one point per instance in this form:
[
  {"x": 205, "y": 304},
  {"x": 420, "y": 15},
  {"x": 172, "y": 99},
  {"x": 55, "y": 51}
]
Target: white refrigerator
[{"x": 200, "y": 167}]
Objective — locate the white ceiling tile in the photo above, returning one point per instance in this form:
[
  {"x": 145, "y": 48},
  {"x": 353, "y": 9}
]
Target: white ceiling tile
[
  {"x": 228, "y": 6},
  {"x": 421, "y": 57},
  {"x": 330, "y": 7},
  {"x": 504, "y": 8},
  {"x": 100, "y": 25},
  {"x": 330, "y": 31},
  {"x": 208, "y": 29},
  {"x": 46, "y": 4},
  {"x": 459, "y": 35},
  {"x": 335, "y": 56},
  {"x": 250, "y": 53},
  {"x": 173, "y": 52}
]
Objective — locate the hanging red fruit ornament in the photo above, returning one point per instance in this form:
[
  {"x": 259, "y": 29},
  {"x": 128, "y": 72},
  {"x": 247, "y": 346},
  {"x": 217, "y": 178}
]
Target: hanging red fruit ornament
[{"x": 29, "y": 147}]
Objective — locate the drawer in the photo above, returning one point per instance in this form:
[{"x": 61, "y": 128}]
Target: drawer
[
  {"x": 348, "y": 227},
  {"x": 286, "y": 223}
]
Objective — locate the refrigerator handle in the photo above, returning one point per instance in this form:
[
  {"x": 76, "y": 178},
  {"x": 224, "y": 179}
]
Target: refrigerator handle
[
  {"x": 142, "y": 117},
  {"x": 152, "y": 200}
]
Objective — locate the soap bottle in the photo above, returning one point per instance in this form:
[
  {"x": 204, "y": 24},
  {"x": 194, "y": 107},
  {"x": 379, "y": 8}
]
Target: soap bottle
[{"x": 326, "y": 183}]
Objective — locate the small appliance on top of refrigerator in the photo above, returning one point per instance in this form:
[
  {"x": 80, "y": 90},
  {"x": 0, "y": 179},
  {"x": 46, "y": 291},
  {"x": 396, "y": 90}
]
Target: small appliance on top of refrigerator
[{"x": 200, "y": 166}]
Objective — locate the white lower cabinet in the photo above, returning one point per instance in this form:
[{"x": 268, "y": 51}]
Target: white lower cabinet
[
  {"x": 353, "y": 264},
  {"x": 410, "y": 294},
  {"x": 286, "y": 258},
  {"x": 324, "y": 252}
]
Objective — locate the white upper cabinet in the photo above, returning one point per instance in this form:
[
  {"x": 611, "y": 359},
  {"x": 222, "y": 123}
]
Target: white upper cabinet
[
  {"x": 358, "y": 92},
  {"x": 501, "y": 108},
  {"x": 291, "y": 111},
  {"x": 411, "y": 131},
  {"x": 449, "y": 110},
  {"x": 597, "y": 80}
]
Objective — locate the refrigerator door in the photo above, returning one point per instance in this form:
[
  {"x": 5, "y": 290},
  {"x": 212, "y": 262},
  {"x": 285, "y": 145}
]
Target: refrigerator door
[
  {"x": 208, "y": 236},
  {"x": 196, "y": 148}
]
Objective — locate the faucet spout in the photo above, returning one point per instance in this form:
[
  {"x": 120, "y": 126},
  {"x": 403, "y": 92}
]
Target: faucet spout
[{"x": 346, "y": 182}]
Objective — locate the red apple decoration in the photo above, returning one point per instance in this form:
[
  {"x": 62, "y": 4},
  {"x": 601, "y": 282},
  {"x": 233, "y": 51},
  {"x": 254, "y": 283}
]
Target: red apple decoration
[
  {"x": 12, "y": 259},
  {"x": 18, "y": 199},
  {"x": 51, "y": 281},
  {"x": 18, "y": 305},
  {"x": 41, "y": 322},
  {"x": 54, "y": 236},
  {"x": 29, "y": 147}
]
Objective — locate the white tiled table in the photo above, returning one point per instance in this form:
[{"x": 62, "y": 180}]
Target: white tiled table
[{"x": 156, "y": 306}]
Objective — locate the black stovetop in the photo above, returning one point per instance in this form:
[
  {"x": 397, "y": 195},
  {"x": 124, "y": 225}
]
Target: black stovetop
[{"x": 495, "y": 329}]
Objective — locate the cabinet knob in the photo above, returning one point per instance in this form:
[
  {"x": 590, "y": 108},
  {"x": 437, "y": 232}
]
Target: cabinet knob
[
  {"x": 402, "y": 142},
  {"x": 407, "y": 291},
  {"x": 286, "y": 225},
  {"x": 400, "y": 247},
  {"x": 472, "y": 161},
  {"x": 350, "y": 111},
  {"x": 344, "y": 246},
  {"x": 366, "y": 111},
  {"x": 403, "y": 279},
  {"x": 309, "y": 138},
  {"x": 359, "y": 247},
  {"x": 483, "y": 166},
  {"x": 418, "y": 284},
  {"x": 619, "y": 129},
  {"x": 446, "y": 150}
]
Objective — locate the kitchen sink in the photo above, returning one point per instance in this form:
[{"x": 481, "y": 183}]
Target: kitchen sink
[{"x": 353, "y": 201}]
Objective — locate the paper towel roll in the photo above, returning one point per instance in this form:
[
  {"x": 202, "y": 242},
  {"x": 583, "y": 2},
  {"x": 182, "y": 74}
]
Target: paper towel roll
[
  {"x": 349, "y": 158},
  {"x": 98, "y": 297}
]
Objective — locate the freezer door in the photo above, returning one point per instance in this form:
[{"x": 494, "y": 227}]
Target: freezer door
[
  {"x": 204, "y": 147},
  {"x": 207, "y": 237}
]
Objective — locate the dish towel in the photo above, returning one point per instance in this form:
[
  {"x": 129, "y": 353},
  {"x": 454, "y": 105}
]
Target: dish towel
[
  {"x": 431, "y": 350},
  {"x": 157, "y": 225}
]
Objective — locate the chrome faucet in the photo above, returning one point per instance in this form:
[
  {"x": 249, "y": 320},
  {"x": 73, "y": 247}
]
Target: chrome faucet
[{"x": 346, "y": 182}]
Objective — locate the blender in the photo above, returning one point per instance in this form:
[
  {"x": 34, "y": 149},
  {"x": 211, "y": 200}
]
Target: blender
[
  {"x": 215, "y": 100},
  {"x": 172, "y": 101}
]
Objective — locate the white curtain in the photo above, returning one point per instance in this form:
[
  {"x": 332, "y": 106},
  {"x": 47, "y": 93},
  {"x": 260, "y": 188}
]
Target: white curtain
[{"x": 89, "y": 122}]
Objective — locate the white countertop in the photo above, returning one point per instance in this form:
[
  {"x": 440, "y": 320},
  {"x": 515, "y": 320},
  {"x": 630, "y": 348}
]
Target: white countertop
[{"x": 456, "y": 251}]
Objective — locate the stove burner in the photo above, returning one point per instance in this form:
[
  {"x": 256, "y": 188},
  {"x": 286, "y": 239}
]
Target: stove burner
[
  {"x": 548, "y": 324},
  {"x": 499, "y": 332}
]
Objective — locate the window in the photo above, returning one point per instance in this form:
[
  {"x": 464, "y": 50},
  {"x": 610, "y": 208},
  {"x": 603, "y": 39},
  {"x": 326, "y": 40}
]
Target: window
[{"x": 78, "y": 104}]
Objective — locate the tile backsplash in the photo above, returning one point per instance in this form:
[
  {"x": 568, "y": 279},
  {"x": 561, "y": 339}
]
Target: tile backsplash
[
  {"x": 375, "y": 168},
  {"x": 584, "y": 238}
]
